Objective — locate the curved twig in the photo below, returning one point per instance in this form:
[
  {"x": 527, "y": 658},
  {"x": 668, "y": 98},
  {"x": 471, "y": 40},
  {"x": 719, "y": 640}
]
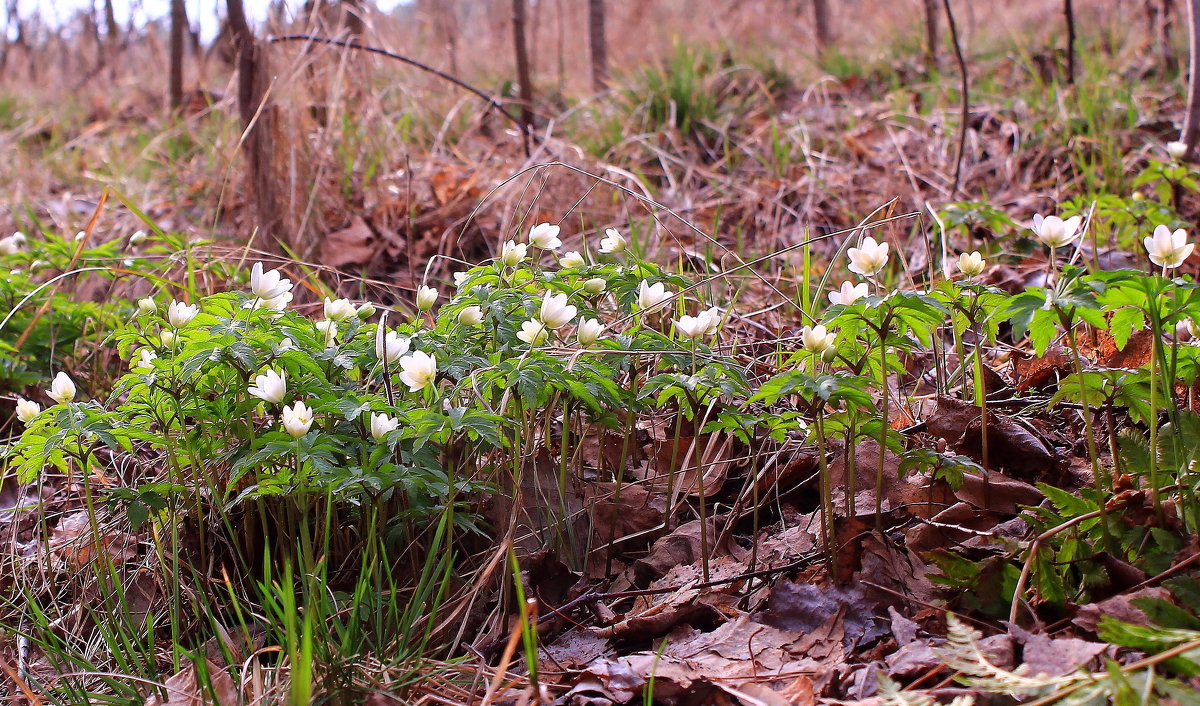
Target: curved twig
[
  {"x": 966, "y": 97},
  {"x": 490, "y": 99}
]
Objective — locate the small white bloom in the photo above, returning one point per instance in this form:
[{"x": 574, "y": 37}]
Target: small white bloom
[
  {"x": 589, "y": 332},
  {"x": 869, "y": 258},
  {"x": 1054, "y": 231},
  {"x": 571, "y": 259},
  {"x": 971, "y": 264},
  {"x": 366, "y": 311},
  {"x": 459, "y": 278},
  {"x": 418, "y": 370},
  {"x": 80, "y": 236},
  {"x": 268, "y": 285},
  {"x": 426, "y": 297},
  {"x": 146, "y": 306},
  {"x": 328, "y": 329},
  {"x": 513, "y": 253},
  {"x": 382, "y": 424},
  {"x": 388, "y": 345},
  {"x": 651, "y": 296},
  {"x": 138, "y": 237},
  {"x": 691, "y": 327},
  {"x": 19, "y": 239},
  {"x": 816, "y": 339},
  {"x": 339, "y": 309},
  {"x": 145, "y": 358},
  {"x": 470, "y": 316},
  {"x": 37, "y": 265},
  {"x": 180, "y": 314},
  {"x": 1167, "y": 249},
  {"x": 8, "y": 246},
  {"x": 848, "y": 293},
  {"x": 613, "y": 242},
  {"x": 1176, "y": 150},
  {"x": 533, "y": 332},
  {"x": 545, "y": 236},
  {"x": 595, "y": 285},
  {"x": 555, "y": 310},
  {"x": 269, "y": 387},
  {"x": 713, "y": 318},
  {"x": 278, "y": 303},
  {"x": 286, "y": 344},
  {"x": 297, "y": 419},
  {"x": 62, "y": 389},
  {"x": 27, "y": 410},
  {"x": 167, "y": 338}
]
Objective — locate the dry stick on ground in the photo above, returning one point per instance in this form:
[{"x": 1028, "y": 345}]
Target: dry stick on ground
[
  {"x": 1191, "y": 124},
  {"x": 599, "y": 45},
  {"x": 492, "y": 101},
  {"x": 966, "y": 97},
  {"x": 524, "y": 75},
  {"x": 1069, "y": 13}
]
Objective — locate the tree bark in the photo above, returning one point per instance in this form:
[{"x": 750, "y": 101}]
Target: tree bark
[
  {"x": 524, "y": 75},
  {"x": 1069, "y": 14},
  {"x": 823, "y": 25},
  {"x": 1191, "y": 124},
  {"x": 253, "y": 70},
  {"x": 599, "y": 45},
  {"x": 931, "y": 32},
  {"x": 175, "y": 79}
]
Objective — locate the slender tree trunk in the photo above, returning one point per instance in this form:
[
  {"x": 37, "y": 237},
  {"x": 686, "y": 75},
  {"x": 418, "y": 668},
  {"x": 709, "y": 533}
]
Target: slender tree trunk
[
  {"x": 257, "y": 119},
  {"x": 524, "y": 77},
  {"x": 965, "y": 107},
  {"x": 599, "y": 45},
  {"x": 1191, "y": 124},
  {"x": 931, "y": 32},
  {"x": 823, "y": 25},
  {"x": 112, "y": 37},
  {"x": 1069, "y": 13},
  {"x": 178, "y": 27}
]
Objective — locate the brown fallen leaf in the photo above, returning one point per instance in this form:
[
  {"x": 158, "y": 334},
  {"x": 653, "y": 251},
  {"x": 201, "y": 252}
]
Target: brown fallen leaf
[
  {"x": 1054, "y": 657},
  {"x": 353, "y": 245},
  {"x": 1118, "y": 608},
  {"x": 185, "y": 689}
]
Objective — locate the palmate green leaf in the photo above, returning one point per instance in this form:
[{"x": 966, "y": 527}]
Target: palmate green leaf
[{"x": 1123, "y": 323}]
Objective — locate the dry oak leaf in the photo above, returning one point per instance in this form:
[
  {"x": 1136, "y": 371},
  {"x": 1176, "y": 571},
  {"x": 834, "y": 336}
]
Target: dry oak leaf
[{"x": 185, "y": 689}]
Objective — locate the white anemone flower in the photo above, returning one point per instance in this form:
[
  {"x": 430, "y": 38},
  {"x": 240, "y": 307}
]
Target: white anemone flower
[
  {"x": 1054, "y": 231},
  {"x": 27, "y": 410},
  {"x": 652, "y": 296},
  {"x": 339, "y": 309},
  {"x": 869, "y": 258},
  {"x": 545, "y": 236},
  {"x": 555, "y": 311},
  {"x": 589, "y": 332},
  {"x": 382, "y": 424},
  {"x": 1168, "y": 249},
  {"x": 848, "y": 293},
  {"x": 533, "y": 332},
  {"x": 62, "y": 388},
  {"x": 612, "y": 242},
  {"x": 818, "y": 340},
  {"x": 513, "y": 253},
  {"x": 297, "y": 419},
  {"x": 269, "y": 387},
  {"x": 180, "y": 314},
  {"x": 268, "y": 285},
  {"x": 691, "y": 327},
  {"x": 571, "y": 259},
  {"x": 971, "y": 264},
  {"x": 418, "y": 370}
]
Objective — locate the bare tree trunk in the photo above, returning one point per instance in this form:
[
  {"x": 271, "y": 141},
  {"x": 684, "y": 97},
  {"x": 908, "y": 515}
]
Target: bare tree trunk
[
  {"x": 599, "y": 45},
  {"x": 823, "y": 25},
  {"x": 175, "y": 80},
  {"x": 931, "y": 32},
  {"x": 257, "y": 119},
  {"x": 1069, "y": 13},
  {"x": 965, "y": 108},
  {"x": 524, "y": 77},
  {"x": 1191, "y": 124},
  {"x": 113, "y": 36}
]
